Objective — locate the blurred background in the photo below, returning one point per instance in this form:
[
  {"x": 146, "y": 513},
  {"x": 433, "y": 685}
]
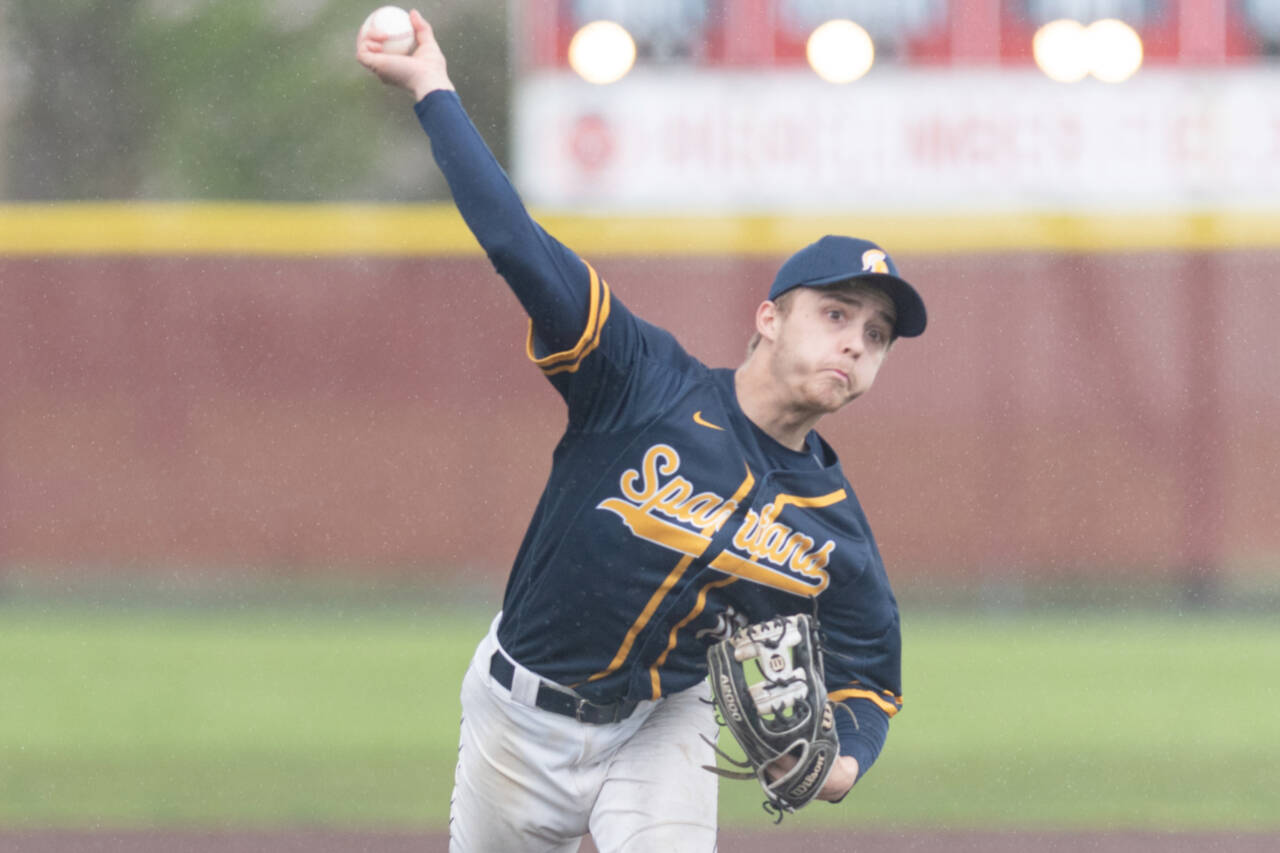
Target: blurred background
[{"x": 263, "y": 402}]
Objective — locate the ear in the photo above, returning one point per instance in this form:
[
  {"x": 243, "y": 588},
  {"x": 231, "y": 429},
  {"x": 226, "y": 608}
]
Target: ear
[{"x": 767, "y": 320}]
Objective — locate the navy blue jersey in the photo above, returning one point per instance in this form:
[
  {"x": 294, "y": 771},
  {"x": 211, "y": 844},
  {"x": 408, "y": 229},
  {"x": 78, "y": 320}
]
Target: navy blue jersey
[{"x": 668, "y": 518}]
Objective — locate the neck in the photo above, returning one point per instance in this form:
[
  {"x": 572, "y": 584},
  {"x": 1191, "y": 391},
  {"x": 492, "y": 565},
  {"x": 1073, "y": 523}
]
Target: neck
[{"x": 760, "y": 401}]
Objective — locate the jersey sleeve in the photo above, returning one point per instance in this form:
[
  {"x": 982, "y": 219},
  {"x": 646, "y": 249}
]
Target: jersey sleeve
[
  {"x": 608, "y": 364},
  {"x": 862, "y": 655},
  {"x": 863, "y": 727}
]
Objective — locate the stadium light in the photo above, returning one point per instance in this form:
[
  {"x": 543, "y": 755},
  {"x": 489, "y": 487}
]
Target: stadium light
[
  {"x": 840, "y": 51},
  {"x": 1060, "y": 50},
  {"x": 602, "y": 52},
  {"x": 1068, "y": 51},
  {"x": 1117, "y": 50}
]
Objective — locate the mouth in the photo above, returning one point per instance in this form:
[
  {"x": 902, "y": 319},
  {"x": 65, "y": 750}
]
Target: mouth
[{"x": 844, "y": 377}]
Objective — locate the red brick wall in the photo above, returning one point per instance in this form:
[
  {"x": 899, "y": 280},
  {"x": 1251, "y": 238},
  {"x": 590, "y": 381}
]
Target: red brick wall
[{"x": 1064, "y": 413}]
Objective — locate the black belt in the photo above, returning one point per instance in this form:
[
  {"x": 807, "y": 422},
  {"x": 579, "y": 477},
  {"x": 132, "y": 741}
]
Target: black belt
[{"x": 559, "y": 702}]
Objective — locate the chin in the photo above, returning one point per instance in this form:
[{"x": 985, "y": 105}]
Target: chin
[{"x": 829, "y": 400}]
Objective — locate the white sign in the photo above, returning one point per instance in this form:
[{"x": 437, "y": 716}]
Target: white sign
[{"x": 899, "y": 140}]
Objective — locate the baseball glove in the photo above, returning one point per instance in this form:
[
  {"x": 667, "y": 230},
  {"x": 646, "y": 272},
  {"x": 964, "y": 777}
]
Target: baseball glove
[{"x": 782, "y": 712}]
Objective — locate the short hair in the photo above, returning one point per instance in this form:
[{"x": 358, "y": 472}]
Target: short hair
[{"x": 783, "y": 303}]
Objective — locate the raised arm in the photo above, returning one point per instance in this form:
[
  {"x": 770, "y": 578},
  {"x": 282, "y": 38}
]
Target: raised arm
[{"x": 551, "y": 282}]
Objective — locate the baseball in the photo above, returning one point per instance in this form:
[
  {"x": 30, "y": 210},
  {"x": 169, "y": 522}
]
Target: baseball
[{"x": 394, "y": 22}]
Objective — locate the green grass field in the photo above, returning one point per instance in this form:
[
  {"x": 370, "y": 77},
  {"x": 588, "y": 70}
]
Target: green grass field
[{"x": 276, "y": 716}]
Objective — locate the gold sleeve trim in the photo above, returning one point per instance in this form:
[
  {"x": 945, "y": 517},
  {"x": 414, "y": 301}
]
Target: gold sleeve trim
[
  {"x": 569, "y": 360},
  {"x": 891, "y": 705}
]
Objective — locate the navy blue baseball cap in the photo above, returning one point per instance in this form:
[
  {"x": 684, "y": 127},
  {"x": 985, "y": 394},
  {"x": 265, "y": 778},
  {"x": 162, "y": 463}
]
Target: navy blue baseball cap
[{"x": 835, "y": 259}]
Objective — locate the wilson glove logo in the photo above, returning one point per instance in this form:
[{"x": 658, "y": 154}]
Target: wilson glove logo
[
  {"x": 807, "y": 783},
  {"x": 660, "y": 506}
]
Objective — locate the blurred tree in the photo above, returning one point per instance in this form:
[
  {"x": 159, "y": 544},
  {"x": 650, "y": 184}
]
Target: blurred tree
[
  {"x": 228, "y": 99},
  {"x": 70, "y": 127}
]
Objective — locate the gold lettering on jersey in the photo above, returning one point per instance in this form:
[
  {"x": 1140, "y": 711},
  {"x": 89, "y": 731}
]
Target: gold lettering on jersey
[
  {"x": 662, "y": 507},
  {"x": 673, "y": 498},
  {"x": 765, "y": 539}
]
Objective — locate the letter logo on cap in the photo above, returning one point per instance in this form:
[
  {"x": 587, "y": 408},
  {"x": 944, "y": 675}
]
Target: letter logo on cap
[{"x": 873, "y": 260}]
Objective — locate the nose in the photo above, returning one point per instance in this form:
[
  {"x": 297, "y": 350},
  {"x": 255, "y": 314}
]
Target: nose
[{"x": 854, "y": 342}]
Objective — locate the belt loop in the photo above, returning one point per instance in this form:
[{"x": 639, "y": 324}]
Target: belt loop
[{"x": 524, "y": 687}]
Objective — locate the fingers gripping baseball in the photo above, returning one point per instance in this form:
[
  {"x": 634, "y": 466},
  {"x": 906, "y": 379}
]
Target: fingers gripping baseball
[{"x": 421, "y": 72}]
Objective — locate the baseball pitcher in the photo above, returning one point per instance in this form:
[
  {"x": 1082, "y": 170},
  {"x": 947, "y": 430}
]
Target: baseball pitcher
[{"x": 693, "y": 522}]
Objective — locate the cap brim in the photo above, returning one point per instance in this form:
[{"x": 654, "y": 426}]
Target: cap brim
[{"x": 912, "y": 317}]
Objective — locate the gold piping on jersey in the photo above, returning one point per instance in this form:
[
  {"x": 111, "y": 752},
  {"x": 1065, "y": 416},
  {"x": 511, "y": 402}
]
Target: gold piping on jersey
[
  {"x": 818, "y": 502},
  {"x": 763, "y": 538},
  {"x": 569, "y": 360},
  {"x": 654, "y": 678},
  {"x": 661, "y": 592},
  {"x": 644, "y": 617}
]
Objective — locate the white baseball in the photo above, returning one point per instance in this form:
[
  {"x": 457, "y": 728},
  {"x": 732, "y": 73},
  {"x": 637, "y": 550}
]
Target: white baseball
[{"x": 394, "y": 22}]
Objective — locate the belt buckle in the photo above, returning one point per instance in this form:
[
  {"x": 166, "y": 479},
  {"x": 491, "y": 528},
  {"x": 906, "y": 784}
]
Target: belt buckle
[
  {"x": 579, "y": 710},
  {"x": 610, "y": 713}
]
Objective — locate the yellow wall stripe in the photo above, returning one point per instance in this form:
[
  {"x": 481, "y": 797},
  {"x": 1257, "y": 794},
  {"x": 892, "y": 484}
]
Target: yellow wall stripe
[
  {"x": 182, "y": 228},
  {"x": 253, "y": 229}
]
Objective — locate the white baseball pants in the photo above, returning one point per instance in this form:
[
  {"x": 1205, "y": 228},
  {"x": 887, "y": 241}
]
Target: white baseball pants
[{"x": 532, "y": 780}]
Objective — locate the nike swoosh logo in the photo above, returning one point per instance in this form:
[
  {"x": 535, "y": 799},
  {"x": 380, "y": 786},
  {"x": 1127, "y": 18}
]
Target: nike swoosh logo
[{"x": 697, "y": 419}]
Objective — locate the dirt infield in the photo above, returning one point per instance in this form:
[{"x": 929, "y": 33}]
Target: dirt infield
[{"x": 771, "y": 839}]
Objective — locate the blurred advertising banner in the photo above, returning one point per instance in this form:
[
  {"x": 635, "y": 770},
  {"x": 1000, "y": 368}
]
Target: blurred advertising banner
[{"x": 900, "y": 139}]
